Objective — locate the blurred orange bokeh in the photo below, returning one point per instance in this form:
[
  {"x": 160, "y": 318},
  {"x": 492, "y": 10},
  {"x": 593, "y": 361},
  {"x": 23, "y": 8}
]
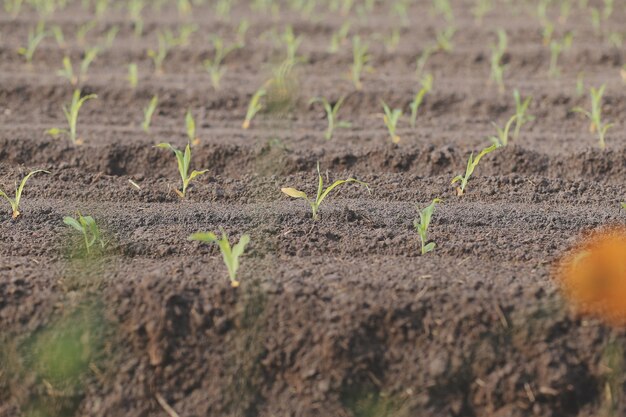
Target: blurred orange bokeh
[{"x": 593, "y": 275}]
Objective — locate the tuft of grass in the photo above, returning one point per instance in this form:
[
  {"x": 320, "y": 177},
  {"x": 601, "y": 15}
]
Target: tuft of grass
[
  {"x": 230, "y": 254},
  {"x": 472, "y": 163},
  {"x": 595, "y": 115},
  {"x": 321, "y": 192},
  {"x": 71, "y": 115},
  {"x": 391, "y": 119},
  {"x": 331, "y": 115},
  {"x": 15, "y": 202},
  {"x": 421, "y": 226},
  {"x": 183, "y": 159}
]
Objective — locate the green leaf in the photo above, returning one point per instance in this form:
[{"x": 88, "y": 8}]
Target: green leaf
[
  {"x": 18, "y": 194},
  {"x": 195, "y": 173},
  {"x": 336, "y": 184},
  {"x": 72, "y": 222},
  {"x": 429, "y": 247},
  {"x": 204, "y": 237}
]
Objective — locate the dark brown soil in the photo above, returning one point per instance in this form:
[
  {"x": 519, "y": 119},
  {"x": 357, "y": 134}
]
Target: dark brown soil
[{"x": 339, "y": 317}]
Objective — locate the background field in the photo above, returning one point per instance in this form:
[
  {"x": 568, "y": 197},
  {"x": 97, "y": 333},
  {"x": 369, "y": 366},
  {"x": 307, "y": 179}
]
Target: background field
[{"x": 341, "y": 317}]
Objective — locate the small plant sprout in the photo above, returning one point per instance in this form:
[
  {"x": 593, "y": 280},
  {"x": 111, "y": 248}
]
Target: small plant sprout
[
  {"x": 254, "y": 107},
  {"x": 497, "y": 54},
  {"x": 321, "y": 192},
  {"x": 148, "y": 112},
  {"x": 595, "y": 115},
  {"x": 339, "y": 38},
  {"x": 360, "y": 60},
  {"x": 421, "y": 226},
  {"x": 502, "y": 138},
  {"x": 521, "y": 108},
  {"x": 472, "y": 163},
  {"x": 427, "y": 85},
  {"x": 34, "y": 39},
  {"x": 183, "y": 160},
  {"x": 67, "y": 71},
  {"x": 190, "y": 124},
  {"x": 556, "y": 48},
  {"x": 15, "y": 202},
  {"x": 166, "y": 41},
  {"x": 580, "y": 84},
  {"x": 133, "y": 76},
  {"x": 214, "y": 66},
  {"x": 331, "y": 115},
  {"x": 71, "y": 114},
  {"x": 391, "y": 118},
  {"x": 230, "y": 254},
  {"x": 292, "y": 43},
  {"x": 87, "y": 226}
]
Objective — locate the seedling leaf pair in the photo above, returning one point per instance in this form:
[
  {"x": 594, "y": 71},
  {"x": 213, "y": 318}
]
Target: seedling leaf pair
[
  {"x": 15, "y": 202},
  {"x": 331, "y": 115},
  {"x": 391, "y": 118},
  {"x": 71, "y": 115},
  {"x": 183, "y": 160},
  {"x": 230, "y": 254},
  {"x": 87, "y": 226},
  {"x": 421, "y": 226},
  {"x": 595, "y": 115},
  {"x": 472, "y": 163},
  {"x": 321, "y": 192}
]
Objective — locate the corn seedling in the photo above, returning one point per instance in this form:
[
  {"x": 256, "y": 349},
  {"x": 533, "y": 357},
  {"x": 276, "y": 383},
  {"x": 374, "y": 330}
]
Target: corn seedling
[
  {"x": 190, "y": 124},
  {"x": 148, "y": 112},
  {"x": 339, "y": 38},
  {"x": 214, "y": 66},
  {"x": 13, "y": 7},
  {"x": 427, "y": 85},
  {"x": 230, "y": 254},
  {"x": 135, "y": 10},
  {"x": 57, "y": 32},
  {"x": 110, "y": 36},
  {"x": 321, "y": 192},
  {"x": 34, "y": 39},
  {"x": 15, "y": 202},
  {"x": 360, "y": 60},
  {"x": 89, "y": 57},
  {"x": 421, "y": 226},
  {"x": 183, "y": 160},
  {"x": 480, "y": 9},
  {"x": 87, "y": 226},
  {"x": 242, "y": 30},
  {"x": 595, "y": 115},
  {"x": 622, "y": 73},
  {"x": 521, "y": 108},
  {"x": 71, "y": 115},
  {"x": 331, "y": 115},
  {"x": 83, "y": 30},
  {"x": 472, "y": 163},
  {"x": 166, "y": 41},
  {"x": 556, "y": 48},
  {"x": 392, "y": 40},
  {"x": 133, "y": 76},
  {"x": 291, "y": 43},
  {"x": 444, "y": 39},
  {"x": 420, "y": 63},
  {"x": 497, "y": 54},
  {"x": 67, "y": 71},
  {"x": 254, "y": 107},
  {"x": 391, "y": 118},
  {"x": 444, "y": 8},
  {"x": 502, "y": 138},
  {"x": 580, "y": 84}
]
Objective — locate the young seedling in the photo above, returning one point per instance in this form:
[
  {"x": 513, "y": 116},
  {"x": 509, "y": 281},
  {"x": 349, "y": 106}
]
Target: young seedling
[
  {"x": 497, "y": 54},
  {"x": 291, "y": 43},
  {"x": 321, "y": 192},
  {"x": 360, "y": 60},
  {"x": 331, "y": 115},
  {"x": 15, "y": 202},
  {"x": 133, "y": 76},
  {"x": 427, "y": 85},
  {"x": 183, "y": 160},
  {"x": 556, "y": 48},
  {"x": 422, "y": 59},
  {"x": 391, "y": 118},
  {"x": 444, "y": 39},
  {"x": 71, "y": 114},
  {"x": 190, "y": 124},
  {"x": 214, "y": 66},
  {"x": 34, "y": 39},
  {"x": 472, "y": 163},
  {"x": 254, "y": 107},
  {"x": 230, "y": 254},
  {"x": 502, "y": 139},
  {"x": 166, "y": 41},
  {"x": 148, "y": 112},
  {"x": 580, "y": 84},
  {"x": 87, "y": 226},
  {"x": 595, "y": 115},
  {"x": 67, "y": 71},
  {"x": 521, "y": 107},
  {"x": 421, "y": 226},
  {"x": 339, "y": 38}
]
